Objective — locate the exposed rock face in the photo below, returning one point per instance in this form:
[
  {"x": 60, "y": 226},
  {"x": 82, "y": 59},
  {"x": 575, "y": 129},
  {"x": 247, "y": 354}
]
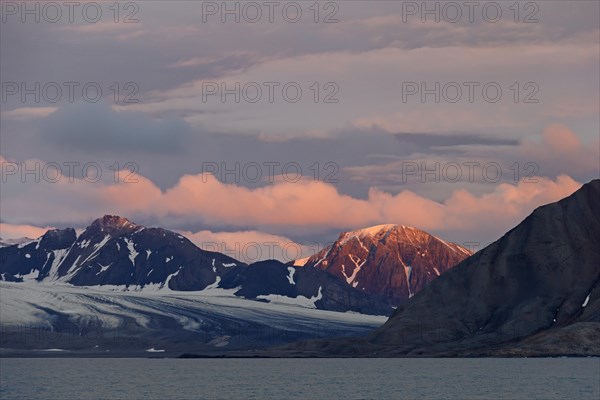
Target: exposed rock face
[
  {"x": 392, "y": 261},
  {"x": 538, "y": 287}
]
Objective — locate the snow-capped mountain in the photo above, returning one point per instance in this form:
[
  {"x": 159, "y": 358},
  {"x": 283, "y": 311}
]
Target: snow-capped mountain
[
  {"x": 392, "y": 261},
  {"x": 117, "y": 254},
  {"x": 114, "y": 251}
]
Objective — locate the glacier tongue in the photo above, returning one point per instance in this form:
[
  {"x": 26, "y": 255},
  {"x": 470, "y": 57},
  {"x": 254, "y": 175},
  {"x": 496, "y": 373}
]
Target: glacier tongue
[{"x": 164, "y": 317}]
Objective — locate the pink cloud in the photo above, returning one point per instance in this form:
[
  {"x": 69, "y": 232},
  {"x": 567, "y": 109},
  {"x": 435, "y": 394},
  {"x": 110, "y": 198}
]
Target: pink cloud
[
  {"x": 306, "y": 206},
  {"x": 10, "y": 231},
  {"x": 251, "y": 246},
  {"x": 560, "y": 146},
  {"x": 506, "y": 206}
]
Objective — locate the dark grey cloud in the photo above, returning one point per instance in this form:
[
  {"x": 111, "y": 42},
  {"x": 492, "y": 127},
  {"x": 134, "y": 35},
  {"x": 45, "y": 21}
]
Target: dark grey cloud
[
  {"x": 426, "y": 141},
  {"x": 97, "y": 129},
  {"x": 168, "y": 148}
]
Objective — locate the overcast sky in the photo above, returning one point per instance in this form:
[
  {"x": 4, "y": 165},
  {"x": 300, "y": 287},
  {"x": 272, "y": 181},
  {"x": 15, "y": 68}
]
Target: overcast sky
[{"x": 334, "y": 117}]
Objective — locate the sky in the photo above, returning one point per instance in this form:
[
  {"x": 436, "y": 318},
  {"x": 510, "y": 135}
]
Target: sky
[{"x": 276, "y": 126}]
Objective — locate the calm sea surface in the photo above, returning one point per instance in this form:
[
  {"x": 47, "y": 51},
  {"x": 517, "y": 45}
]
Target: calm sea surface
[{"x": 161, "y": 379}]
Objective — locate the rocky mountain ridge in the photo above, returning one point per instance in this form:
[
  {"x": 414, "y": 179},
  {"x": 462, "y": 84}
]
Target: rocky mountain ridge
[{"x": 393, "y": 261}]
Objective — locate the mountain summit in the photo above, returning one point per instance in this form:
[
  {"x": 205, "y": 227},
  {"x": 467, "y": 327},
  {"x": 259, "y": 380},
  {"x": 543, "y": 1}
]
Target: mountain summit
[
  {"x": 393, "y": 261},
  {"x": 112, "y": 222},
  {"x": 114, "y": 251}
]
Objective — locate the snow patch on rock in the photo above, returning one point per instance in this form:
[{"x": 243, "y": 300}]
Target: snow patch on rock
[{"x": 290, "y": 276}]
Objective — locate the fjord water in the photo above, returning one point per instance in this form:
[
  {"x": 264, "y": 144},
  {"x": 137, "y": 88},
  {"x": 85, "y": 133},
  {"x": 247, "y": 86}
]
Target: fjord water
[{"x": 149, "y": 379}]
